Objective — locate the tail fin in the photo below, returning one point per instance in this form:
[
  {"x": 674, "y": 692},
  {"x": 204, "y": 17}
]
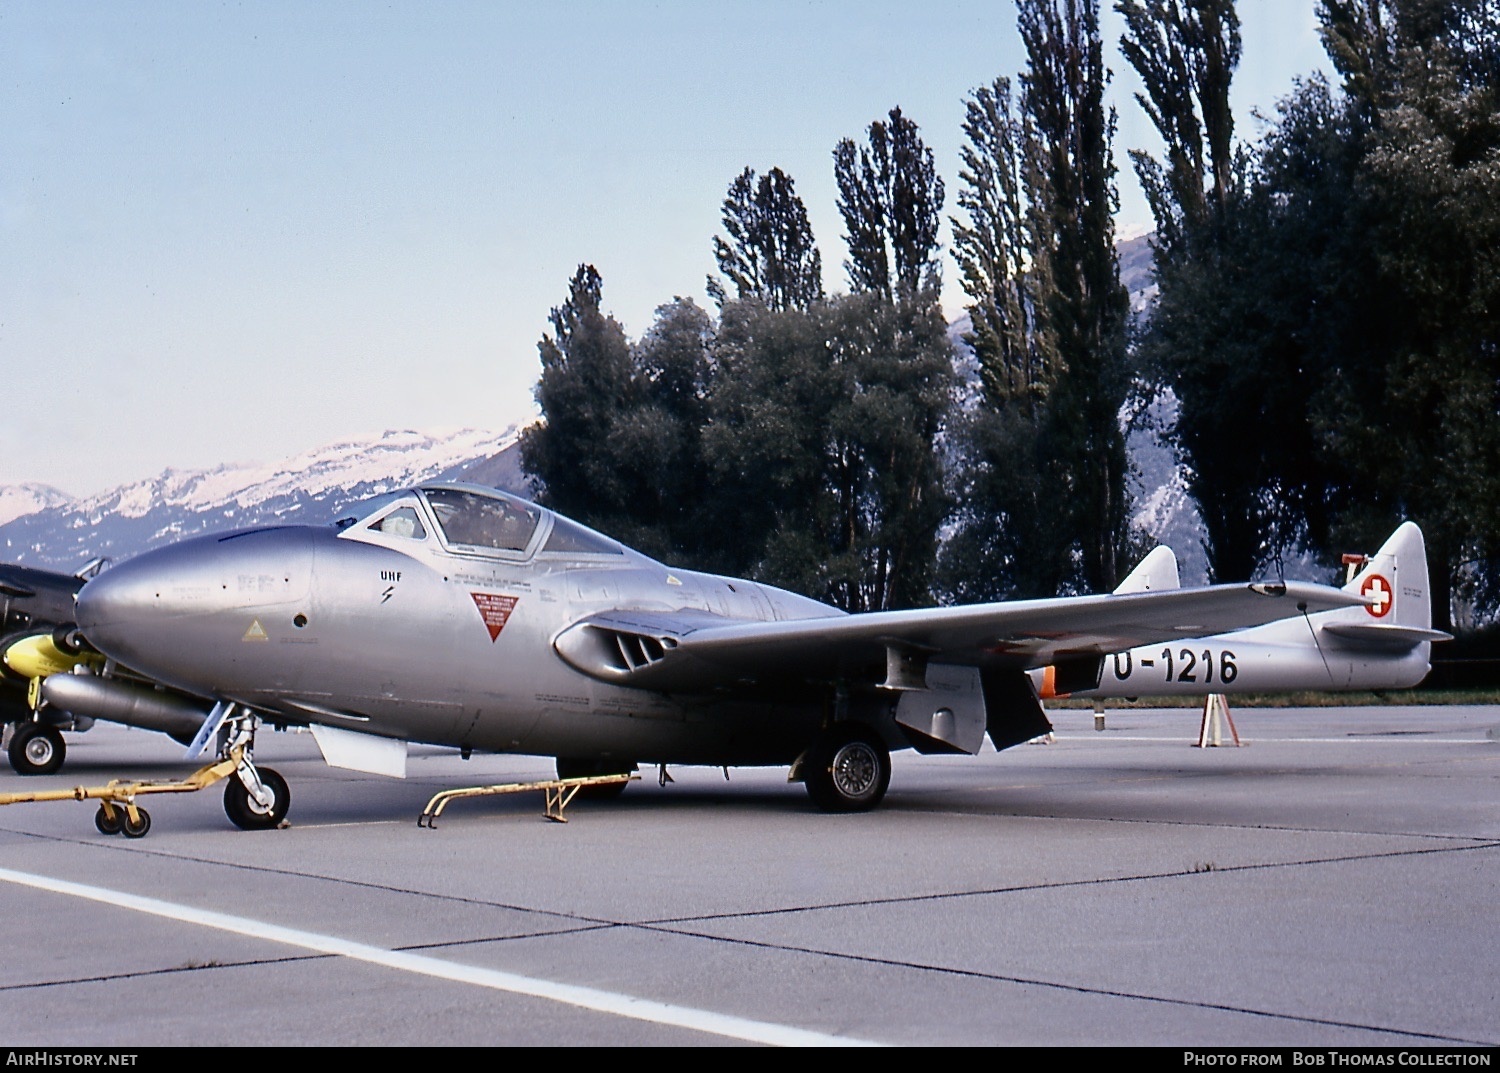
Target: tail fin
[
  {"x": 1154, "y": 573},
  {"x": 1394, "y": 581}
]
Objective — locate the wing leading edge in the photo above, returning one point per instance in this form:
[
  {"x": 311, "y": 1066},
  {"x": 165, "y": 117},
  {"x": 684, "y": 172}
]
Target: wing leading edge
[{"x": 690, "y": 651}]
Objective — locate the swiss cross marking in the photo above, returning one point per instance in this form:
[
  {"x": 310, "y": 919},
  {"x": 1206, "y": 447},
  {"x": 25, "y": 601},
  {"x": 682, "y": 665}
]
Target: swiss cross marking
[
  {"x": 495, "y": 610},
  {"x": 1378, "y": 590}
]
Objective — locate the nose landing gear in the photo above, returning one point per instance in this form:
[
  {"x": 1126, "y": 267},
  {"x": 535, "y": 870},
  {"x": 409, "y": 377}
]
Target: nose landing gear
[{"x": 255, "y": 799}]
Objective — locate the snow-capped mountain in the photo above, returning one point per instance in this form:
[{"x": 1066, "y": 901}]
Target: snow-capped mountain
[
  {"x": 50, "y": 529},
  {"x": 19, "y": 499}
]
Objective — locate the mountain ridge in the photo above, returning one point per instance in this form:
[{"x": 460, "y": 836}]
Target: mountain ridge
[{"x": 61, "y": 532}]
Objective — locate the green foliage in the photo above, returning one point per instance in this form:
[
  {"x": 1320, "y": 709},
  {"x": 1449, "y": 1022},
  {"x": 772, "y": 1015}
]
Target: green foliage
[
  {"x": 1186, "y": 52},
  {"x": 586, "y": 381},
  {"x": 1086, "y": 305},
  {"x": 1246, "y": 309},
  {"x": 1341, "y": 311},
  {"x": 891, "y": 199},
  {"x": 1040, "y": 456},
  {"x": 1009, "y": 538},
  {"x": 996, "y": 250},
  {"x": 769, "y": 255},
  {"x": 823, "y": 425},
  {"x": 618, "y": 448},
  {"x": 1429, "y": 376}
]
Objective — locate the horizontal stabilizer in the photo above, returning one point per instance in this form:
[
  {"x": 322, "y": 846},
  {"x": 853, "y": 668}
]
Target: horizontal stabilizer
[{"x": 1384, "y": 635}]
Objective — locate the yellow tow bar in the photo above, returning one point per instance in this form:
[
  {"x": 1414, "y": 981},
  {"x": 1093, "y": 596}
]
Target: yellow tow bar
[
  {"x": 558, "y": 793},
  {"x": 118, "y": 813}
]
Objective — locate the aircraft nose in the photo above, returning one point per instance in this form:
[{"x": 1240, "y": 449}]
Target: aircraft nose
[
  {"x": 114, "y": 599},
  {"x": 163, "y": 612}
]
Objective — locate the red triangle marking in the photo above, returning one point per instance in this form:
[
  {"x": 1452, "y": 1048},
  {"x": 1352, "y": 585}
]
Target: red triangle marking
[{"x": 495, "y": 610}]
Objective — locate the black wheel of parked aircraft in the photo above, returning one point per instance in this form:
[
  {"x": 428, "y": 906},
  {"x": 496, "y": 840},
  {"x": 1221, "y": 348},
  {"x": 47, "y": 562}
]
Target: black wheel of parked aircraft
[
  {"x": 36, "y": 749},
  {"x": 574, "y": 768},
  {"x": 848, "y": 770},
  {"x": 136, "y": 828},
  {"x": 246, "y": 813},
  {"x": 109, "y": 823}
]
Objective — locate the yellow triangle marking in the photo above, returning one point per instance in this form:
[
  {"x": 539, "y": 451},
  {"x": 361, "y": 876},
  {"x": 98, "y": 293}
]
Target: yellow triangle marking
[{"x": 256, "y": 632}]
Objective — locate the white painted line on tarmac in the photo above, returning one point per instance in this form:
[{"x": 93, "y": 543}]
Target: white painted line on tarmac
[
  {"x": 1390, "y": 739},
  {"x": 587, "y": 998}
]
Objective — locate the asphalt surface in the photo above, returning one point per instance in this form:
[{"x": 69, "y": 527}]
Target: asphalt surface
[{"x": 1330, "y": 883}]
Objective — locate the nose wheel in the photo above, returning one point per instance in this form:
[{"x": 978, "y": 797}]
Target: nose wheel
[{"x": 256, "y": 799}]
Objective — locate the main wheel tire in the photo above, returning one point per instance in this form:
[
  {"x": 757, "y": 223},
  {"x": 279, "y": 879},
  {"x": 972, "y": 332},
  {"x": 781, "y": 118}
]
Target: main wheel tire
[
  {"x": 36, "y": 749},
  {"x": 136, "y": 829},
  {"x": 249, "y": 815},
  {"x": 848, "y": 769},
  {"x": 109, "y": 823},
  {"x": 574, "y": 768}
]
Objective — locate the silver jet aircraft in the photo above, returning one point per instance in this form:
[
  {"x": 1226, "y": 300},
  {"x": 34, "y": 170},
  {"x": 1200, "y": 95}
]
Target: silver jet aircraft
[{"x": 458, "y": 615}]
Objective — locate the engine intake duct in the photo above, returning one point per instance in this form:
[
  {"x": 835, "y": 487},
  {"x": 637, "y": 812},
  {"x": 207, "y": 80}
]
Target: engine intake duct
[{"x": 119, "y": 702}]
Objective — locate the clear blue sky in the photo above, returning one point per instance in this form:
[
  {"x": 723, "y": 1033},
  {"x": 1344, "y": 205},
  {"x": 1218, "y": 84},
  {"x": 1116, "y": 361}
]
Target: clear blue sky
[{"x": 233, "y": 231}]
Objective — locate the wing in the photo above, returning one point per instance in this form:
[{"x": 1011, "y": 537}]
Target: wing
[{"x": 689, "y": 651}]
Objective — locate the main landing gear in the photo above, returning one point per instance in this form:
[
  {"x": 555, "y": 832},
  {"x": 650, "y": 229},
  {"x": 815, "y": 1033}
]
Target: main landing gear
[
  {"x": 36, "y": 748},
  {"x": 847, "y": 769}
]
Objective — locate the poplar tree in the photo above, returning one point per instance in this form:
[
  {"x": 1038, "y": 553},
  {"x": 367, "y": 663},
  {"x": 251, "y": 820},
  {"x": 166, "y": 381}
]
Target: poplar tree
[
  {"x": 1086, "y": 305},
  {"x": 767, "y": 251},
  {"x": 1254, "y": 504},
  {"x": 891, "y": 200},
  {"x": 1186, "y": 53},
  {"x": 1007, "y": 538},
  {"x": 587, "y": 380}
]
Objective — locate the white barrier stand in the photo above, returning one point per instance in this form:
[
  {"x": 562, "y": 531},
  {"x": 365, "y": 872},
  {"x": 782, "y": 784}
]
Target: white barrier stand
[{"x": 1215, "y": 715}]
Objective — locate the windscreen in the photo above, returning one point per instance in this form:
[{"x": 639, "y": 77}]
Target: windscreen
[{"x": 480, "y": 521}]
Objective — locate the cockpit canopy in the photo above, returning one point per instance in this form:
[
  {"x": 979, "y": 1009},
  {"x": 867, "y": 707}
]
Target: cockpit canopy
[
  {"x": 475, "y": 520},
  {"x": 494, "y": 521}
]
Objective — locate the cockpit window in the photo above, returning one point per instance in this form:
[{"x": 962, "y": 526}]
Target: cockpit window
[
  {"x": 401, "y": 523},
  {"x": 368, "y": 508},
  {"x": 480, "y": 521},
  {"x": 570, "y": 537}
]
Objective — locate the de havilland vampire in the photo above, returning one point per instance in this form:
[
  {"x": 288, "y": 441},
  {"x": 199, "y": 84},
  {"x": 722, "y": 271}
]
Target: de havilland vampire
[{"x": 461, "y": 616}]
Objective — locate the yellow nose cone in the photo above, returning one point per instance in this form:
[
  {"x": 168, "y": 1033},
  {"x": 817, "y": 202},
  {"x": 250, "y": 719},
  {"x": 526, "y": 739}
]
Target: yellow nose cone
[{"x": 37, "y": 657}]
